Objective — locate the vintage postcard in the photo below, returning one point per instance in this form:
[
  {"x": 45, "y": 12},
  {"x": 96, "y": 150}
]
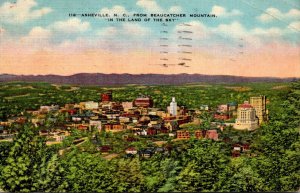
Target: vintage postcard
[{"x": 149, "y": 96}]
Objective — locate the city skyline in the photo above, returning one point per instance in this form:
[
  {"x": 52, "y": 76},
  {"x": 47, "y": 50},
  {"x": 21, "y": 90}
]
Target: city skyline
[{"x": 254, "y": 39}]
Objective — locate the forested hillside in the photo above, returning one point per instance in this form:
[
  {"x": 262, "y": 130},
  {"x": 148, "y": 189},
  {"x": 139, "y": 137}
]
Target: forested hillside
[{"x": 27, "y": 164}]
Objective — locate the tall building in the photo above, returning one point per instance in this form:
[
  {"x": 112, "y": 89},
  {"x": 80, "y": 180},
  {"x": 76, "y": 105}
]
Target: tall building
[
  {"x": 143, "y": 101},
  {"x": 259, "y": 104},
  {"x": 91, "y": 105},
  {"x": 173, "y": 107},
  {"x": 246, "y": 119}
]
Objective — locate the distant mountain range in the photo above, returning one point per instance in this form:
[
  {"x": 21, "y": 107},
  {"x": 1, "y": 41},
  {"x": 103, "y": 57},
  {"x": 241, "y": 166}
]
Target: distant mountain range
[{"x": 143, "y": 79}]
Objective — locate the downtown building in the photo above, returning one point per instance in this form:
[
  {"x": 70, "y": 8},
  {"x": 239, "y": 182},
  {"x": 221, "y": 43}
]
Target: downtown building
[
  {"x": 173, "y": 107},
  {"x": 143, "y": 102},
  {"x": 246, "y": 117},
  {"x": 259, "y": 104}
]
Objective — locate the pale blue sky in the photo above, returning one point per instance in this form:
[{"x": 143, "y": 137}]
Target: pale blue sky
[
  {"x": 249, "y": 11},
  {"x": 267, "y": 30}
]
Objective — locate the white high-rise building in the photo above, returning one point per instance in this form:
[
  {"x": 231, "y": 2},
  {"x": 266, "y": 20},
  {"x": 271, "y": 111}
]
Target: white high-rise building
[
  {"x": 173, "y": 107},
  {"x": 246, "y": 119}
]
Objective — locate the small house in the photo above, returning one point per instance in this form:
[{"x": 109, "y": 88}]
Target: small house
[
  {"x": 131, "y": 150},
  {"x": 151, "y": 131},
  {"x": 212, "y": 134},
  {"x": 198, "y": 134},
  {"x": 146, "y": 153},
  {"x": 105, "y": 149},
  {"x": 181, "y": 134}
]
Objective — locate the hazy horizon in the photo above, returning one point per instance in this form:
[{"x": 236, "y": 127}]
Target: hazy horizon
[
  {"x": 81, "y": 73},
  {"x": 251, "y": 39}
]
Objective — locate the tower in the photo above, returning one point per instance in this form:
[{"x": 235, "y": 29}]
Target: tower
[
  {"x": 259, "y": 104},
  {"x": 173, "y": 107},
  {"x": 246, "y": 119}
]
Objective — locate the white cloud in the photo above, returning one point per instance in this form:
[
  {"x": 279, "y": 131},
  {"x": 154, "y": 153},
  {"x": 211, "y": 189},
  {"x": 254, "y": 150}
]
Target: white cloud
[
  {"x": 40, "y": 32},
  {"x": 222, "y": 12},
  {"x": 72, "y": 25},
  {"x": 236, "y": 32},
  {"x": 129, "y": 29},
  {"x": 175, "y": 9},
  {"x": 80, "y": 43},
  {"x": 37, "y": 35},
  {"x": 149, "y": 5},
  {"x": 153, "y": 7},
  {"x": 108, "y": 31},
  {"x": 269, "y": 15},
  {"x": 294, "y": 26},
  {"x": 200, "y": 31},
  {"x": 37, "y": 39},
  {"x": 293, "y": 13},
  {"x": 41, "y": 38},
  {"x": 270, "y": 32},
  {"x": 135, "y": 29},
  {"x": 115, "y": 9},
  {"x": 254, "y": 37},
  {"x": 234, "y": 29},
  {"x": 21, "y": 11},
  {"x": 273, "y": 13}
]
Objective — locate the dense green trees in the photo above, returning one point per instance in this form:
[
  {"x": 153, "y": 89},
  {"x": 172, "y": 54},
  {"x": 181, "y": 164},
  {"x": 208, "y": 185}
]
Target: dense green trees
[
  {"x": 127, "y": 175},
  {"x": 241, "y": 175},
  {"x": 206, "y": 119},
  {"x": 278, "y": 145},
  {"x": 202, "y": 165},
  {"x": 27, "y": 164},
  {"x": 86, "y": 172},
  {"x": 160, "y": 174}
]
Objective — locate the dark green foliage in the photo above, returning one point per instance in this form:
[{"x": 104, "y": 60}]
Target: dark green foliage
[
  {"x": 4, "y": 151},
  {"x": 127, "y": 176},
  {"x": 160, "y": 174},
  {"x": 202, "y": 165},
  {"x": 241, "y": 175},
  {"x": 278, "y": 146},
  {"x": 206, "y": 119},
  {"x": 86, "y": 172},
  {"x": 29, "y": 166},
  {"x": 272, "y": 164}
]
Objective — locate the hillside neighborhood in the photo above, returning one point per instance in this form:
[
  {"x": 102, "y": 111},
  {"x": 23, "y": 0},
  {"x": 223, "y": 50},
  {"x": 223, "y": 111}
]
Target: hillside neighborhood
[{"x": 140, "y": 119}]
